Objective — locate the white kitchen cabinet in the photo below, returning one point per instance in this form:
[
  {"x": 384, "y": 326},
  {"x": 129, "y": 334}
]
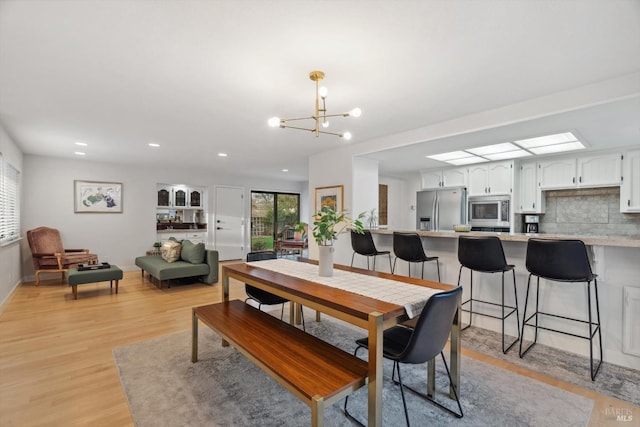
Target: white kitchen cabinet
[
  {"x": 631, "y": 321},
  {"x": 194, "y": 236},
  {"x": 630, "y": 187},
  {"x": 582, "y": 172},
  {"x": 440, "y": 178},
  {"x": 557, "y": 173},
  {"x": 599, "y": 171},
  {"x": 494, "y": 178},
  {"x": 529, "y": 194},
  {"x": 165, "y": 195}
]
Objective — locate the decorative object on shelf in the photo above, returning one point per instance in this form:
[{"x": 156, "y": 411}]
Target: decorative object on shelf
[
  {"x": 320, "y": 116},
  {"x": 327, "y": 225},
  {"x": 331, "y": 197},
  {"x": 372, "y": 219},
  {"x": 97, "y": 197}
]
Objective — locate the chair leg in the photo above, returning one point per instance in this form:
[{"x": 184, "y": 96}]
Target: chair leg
[
  {"x": 470, "y": 300},
  {"x": 459, "y": 414},
  {"x": 390, "y": 268},
  {"x": 438, "y": 266},
  {"x": 598, "y": 328},
  {"x": 393, "y": 269},
  {"x": 525, "y": 320},
  {"x": 352, "y": 256},
  {"x": 505, "y": 350}
]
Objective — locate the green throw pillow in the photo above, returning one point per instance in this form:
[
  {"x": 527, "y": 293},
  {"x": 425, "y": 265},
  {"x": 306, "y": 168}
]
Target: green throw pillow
[{"x": 192, "y": 252}]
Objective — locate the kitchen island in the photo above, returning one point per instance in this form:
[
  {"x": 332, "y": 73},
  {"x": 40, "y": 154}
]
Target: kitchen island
[{"x": 615, "y": 259}]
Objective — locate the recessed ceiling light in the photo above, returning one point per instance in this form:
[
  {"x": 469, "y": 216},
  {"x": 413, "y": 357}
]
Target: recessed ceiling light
[
  {"x": 154, "y": 145},
  {"x": 492, "y": 149},
  {"x": 285, "y": 170},
  {"x": 222, "y": 154},
  {"x": 522, "y": 148},
  {"x": 449, "y": 156},
  {"x": 79, "y": 153},
  {"x": 81, "y": 144}
]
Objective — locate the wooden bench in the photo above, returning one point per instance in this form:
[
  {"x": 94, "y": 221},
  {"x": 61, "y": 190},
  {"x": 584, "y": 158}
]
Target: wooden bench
[{"x": 315, "y": 371}]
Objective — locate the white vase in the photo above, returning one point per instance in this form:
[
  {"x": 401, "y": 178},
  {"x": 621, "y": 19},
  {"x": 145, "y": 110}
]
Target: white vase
[{"x": 325, "y": 261}]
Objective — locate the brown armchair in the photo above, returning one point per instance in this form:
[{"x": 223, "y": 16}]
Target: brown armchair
[{"x": 50, "y": 256}]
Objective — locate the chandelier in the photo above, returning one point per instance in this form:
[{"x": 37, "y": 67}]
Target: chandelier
[{"x": 320, "y": 116}]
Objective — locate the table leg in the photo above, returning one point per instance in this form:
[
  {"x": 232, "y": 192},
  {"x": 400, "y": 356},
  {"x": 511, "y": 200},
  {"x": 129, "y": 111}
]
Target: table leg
[
  {"x": 454, "y": 356},
  {"x": 194, "y": 336},
  {"x": 225, "y": 295},
  {"x": 375, "y": 370}
]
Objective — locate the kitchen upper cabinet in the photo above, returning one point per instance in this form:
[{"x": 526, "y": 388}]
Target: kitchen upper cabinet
[
  {"x": 439, "y": 178},
  {"x": 557, "y": 173},
  {"x": 165, "y": 195},
  {"x": 589, "y": 171},
  {"x": 630, "y": 187},
  {"x": 181, "y": 196},
  {"x": 599, "y": 171},
  {"x": 490, "y": 178},
  {"x": 529, "y": 194}
]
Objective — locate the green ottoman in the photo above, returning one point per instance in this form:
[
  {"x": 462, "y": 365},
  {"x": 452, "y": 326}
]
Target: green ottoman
[{"x": 75, "y": 277}]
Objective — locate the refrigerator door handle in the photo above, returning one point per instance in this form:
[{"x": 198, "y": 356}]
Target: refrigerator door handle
[{"x": 436, "y": 216}]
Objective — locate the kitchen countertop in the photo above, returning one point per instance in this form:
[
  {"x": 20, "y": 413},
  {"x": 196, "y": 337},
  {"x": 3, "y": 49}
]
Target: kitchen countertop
[{"x": 622, "y": 241}]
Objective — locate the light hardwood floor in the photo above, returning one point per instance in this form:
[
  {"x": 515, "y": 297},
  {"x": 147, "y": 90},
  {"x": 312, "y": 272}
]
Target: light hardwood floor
[{"x": 56, "y": 363}]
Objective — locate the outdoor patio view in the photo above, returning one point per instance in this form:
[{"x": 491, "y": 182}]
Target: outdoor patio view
[{"x": 274, "y": 217}]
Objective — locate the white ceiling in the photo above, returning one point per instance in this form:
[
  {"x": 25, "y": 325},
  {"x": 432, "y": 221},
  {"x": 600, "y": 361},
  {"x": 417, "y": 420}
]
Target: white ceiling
[{"x": 202, "y": 77}]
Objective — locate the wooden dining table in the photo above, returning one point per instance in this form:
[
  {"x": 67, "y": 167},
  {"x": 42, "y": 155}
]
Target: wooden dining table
[{"x": 373, "y": 315}]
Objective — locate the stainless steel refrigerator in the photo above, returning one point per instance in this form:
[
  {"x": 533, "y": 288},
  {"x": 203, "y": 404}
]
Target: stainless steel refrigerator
[{"x": 441, "y": 209}]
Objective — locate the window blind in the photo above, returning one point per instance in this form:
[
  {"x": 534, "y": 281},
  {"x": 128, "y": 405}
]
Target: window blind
[{"x": 9, "y": 202}]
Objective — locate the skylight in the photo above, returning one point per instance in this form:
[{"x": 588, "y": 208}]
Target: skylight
[{"x": 548, "y": 144}]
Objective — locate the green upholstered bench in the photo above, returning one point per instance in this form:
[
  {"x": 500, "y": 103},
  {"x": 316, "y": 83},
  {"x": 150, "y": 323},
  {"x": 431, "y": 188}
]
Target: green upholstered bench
[{"x": 75, "y": 277}]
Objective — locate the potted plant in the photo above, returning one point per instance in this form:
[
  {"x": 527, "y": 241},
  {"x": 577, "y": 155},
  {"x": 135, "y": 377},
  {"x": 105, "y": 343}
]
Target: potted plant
[
  {"x": 327, "y": 225},
  {"x": 300, "y": 228}
]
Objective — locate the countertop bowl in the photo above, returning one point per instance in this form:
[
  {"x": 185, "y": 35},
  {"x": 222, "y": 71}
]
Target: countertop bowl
[{"x": 462, "y": 228}]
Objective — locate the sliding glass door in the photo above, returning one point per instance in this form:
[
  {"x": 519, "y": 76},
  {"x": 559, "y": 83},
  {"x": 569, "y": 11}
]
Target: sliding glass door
[{"x": 273, "y": 217}]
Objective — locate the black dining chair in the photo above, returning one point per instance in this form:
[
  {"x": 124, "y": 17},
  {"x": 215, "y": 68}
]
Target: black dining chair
[
  {"x": 263, "y": 297},
  {"x": 362, "y": 244},
  {"x": 562, "y": 261},
  {"x": 408, "y": 247},
  {"x": 486, "y": 255},
  {"x": 420, "y": 344}
]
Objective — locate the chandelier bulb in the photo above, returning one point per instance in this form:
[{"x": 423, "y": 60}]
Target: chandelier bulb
[
  {"x": 325, "y": 123},
  {"x": 347, "y": 136},
  {"x": 322, "y": 92},
  {"x": 274, "y": 122},
  {"x": 356, "y": 112}
]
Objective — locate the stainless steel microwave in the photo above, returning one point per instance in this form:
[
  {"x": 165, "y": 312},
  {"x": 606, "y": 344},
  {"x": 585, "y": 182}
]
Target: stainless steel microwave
[{"x": 490, "y": 211}]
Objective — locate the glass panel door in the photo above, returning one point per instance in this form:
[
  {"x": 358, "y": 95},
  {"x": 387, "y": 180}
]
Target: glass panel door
[{"x": 273, "y": 218}]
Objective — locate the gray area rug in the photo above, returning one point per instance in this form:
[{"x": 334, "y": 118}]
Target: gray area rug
[
  {"x": 612, "y": 380},
  {"x": 224, "y": 388}
]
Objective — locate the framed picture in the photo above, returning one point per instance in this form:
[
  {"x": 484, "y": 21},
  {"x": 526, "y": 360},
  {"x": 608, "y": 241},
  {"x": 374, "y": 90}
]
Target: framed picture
[
  {"x": 331, "y": 197},
  {"x": 97, "y": 197}
]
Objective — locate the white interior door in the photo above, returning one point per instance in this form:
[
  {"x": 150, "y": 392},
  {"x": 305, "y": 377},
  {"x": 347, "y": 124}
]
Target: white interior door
[{"x": 229, "y": 223}]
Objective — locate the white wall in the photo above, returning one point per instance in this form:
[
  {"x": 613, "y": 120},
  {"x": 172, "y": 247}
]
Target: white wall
[
  {"x": 116, "y": 238},
  {"x": 10, "y": 272},
  {"x": 398, "y": 204},
  {"x": 365, "y": 186}
]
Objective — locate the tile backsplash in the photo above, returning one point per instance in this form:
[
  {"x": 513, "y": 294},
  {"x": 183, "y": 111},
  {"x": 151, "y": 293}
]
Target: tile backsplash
[{"x": 594, "y": 211}]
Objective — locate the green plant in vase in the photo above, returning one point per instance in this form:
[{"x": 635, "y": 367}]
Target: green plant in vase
[{"x": 328, "y": 224}]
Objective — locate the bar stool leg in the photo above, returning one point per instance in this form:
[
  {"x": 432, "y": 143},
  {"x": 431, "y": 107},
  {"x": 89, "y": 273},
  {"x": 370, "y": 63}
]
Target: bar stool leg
[
  {"x": 593, "y": 332},
  {"x": 525, "y": 320},
  {"x": 504, "y": 351}
]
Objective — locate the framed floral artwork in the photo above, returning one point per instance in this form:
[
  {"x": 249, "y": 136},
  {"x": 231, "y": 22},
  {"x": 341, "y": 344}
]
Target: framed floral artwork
[
  {"x": 97, "y": 197},
  {"x": 331, "y": 197}
]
